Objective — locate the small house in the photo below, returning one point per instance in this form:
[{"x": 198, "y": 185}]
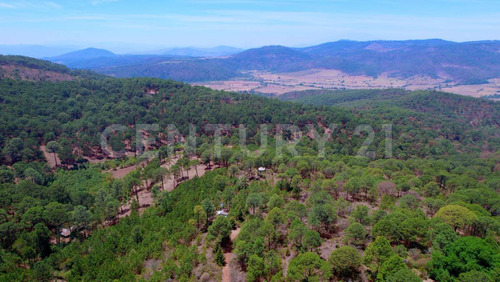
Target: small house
[
  {"x": 221, "y": 213},
  {"x": 65, "y": 232}
]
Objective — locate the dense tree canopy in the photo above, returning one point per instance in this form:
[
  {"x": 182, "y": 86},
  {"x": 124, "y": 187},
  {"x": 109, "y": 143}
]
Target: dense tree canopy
[{"x": 306, "y": 217}]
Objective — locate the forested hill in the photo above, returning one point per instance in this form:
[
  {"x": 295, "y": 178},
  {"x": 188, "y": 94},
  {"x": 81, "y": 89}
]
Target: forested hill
[
  {"x": 427, "y": 209},
  {"x": 26, "y": 68},
  {"x": 76, "y": 112},
  {"x": 429, "y": 105}
]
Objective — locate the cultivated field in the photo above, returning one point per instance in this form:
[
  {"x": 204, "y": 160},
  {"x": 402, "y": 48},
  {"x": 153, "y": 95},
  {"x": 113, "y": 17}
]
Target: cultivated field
[{"x": 279, "y": 83}]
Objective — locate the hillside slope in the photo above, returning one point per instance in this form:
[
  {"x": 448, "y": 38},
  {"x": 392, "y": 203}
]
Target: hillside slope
[
  {"x": 422, "y": 198},
  {"x": 26, "y": 68},
  {"x": 71, "y": 106},
  {"x": 430, "y": 105}
]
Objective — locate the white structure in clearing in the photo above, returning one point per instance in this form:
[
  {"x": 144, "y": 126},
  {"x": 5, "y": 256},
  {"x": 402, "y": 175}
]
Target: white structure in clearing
[{"x": 222, "y": 213}]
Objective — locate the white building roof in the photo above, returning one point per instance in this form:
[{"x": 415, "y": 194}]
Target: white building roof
[
  {"x": 65, "y": 232},
  {"x": 222, "y": 212}
]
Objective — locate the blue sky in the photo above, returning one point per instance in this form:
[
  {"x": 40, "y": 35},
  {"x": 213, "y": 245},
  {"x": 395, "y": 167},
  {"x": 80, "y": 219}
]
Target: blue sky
[{"x": 245, "y": 23}]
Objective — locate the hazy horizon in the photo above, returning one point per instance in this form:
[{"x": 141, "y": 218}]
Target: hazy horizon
[
  {"x": 127, "y": 26},
  {"x": 123, "y": 48}
]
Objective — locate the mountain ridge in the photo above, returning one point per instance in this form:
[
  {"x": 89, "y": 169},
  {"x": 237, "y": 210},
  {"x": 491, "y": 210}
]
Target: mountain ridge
[
  {"x": 217, "y": 51},
  {"x": 87, "y": 53},
  {"x": 460, "y": 62}
]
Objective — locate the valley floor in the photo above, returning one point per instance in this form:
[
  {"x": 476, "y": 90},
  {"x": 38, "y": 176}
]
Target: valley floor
[{"x": 280, "y": 83}]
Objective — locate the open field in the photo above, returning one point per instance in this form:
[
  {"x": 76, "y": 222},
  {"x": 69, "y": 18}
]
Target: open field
[
  {"x": 478, "y": 90},
  {"x": 280, "y": 83}
]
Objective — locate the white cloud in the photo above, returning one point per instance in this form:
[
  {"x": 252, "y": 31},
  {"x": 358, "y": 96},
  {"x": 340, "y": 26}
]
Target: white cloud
[
  {"x": 51, "y": 4},
  {"x": 6, "y": 5},
  {"x": 22, "y": 4},
  {"x": 98, "y": 2}
]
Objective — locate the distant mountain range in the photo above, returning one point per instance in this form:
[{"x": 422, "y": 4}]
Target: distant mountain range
[
  {"x": 41, "y": 51},
  {"x": 218, "y": 51},
  {"x": 35, "y": 51},
  {"x": 85, "y": 54},
  {"x": 93, "y": 58},
  {"x": 464, "y": 63}
]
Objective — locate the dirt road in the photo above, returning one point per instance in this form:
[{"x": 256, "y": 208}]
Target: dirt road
[{"x": 226, "y": 271}]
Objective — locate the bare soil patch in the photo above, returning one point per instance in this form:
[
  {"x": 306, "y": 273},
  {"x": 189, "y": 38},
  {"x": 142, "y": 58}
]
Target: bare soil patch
[
  {"x": 121, "y": 172},
  {"x": 280, "y": 83},
  {"x": 31, "y": 74},
  {"x": 144, "y": 196},
  {"x": 50, "y": 157}
]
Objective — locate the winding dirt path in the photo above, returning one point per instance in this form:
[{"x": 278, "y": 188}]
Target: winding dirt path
[{"x": 226, "y": 271}]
